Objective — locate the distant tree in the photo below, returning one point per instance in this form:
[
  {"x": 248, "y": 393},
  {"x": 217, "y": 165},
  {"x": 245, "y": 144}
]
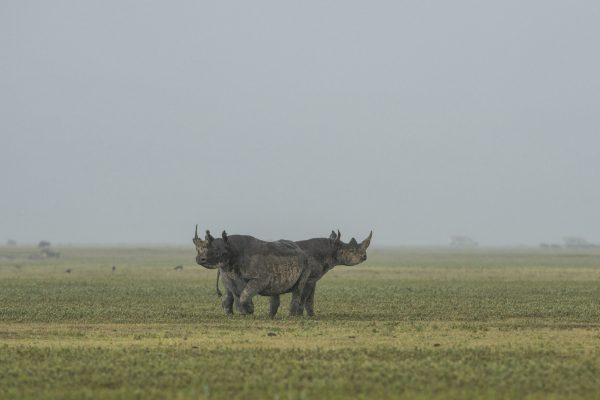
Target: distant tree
[
  {"x": 462, "y": 241},
  {"x": 576, "y": 242},
  {"x": 44, "y": 244},
  {"x": 11, "y": 242},
  {"x": 550, "y": 246}
]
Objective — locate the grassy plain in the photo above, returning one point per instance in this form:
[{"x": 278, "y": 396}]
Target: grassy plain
[{"x": 408, "y": 323}]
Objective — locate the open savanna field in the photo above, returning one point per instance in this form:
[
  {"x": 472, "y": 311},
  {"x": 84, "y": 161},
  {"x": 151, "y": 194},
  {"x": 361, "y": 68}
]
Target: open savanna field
[{"x": 407, "y": 323}]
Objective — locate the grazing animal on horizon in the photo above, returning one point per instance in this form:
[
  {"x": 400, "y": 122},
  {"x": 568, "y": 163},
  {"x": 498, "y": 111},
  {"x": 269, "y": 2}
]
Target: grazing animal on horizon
[{"x": 178, "y": 268}]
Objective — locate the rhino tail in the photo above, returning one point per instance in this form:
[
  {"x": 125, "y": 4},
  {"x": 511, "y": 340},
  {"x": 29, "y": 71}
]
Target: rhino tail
[{"x": 218, "y": 290}]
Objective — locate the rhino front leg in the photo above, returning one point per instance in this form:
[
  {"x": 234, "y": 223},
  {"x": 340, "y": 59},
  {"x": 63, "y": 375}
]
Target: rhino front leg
[
  {"x": 296, "y": 304},
  {"x": 273, "y": 306},
  {"x": 296, "y": 308},
  {"x": 231, "y": 299},
  {"x": 227, "y": 302},
  {"x": 309, "y": 300},
  {"x": 252, "y": 288}
]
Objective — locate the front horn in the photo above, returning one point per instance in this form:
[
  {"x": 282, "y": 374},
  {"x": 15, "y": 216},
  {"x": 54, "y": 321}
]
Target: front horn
[{"x": 365, "y": 243}]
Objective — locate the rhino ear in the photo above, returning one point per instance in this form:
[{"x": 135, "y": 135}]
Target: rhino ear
[
  {"x": 353, "y": 242},
  {"x": 208, "y": 236},
  {"x": 365, "y": 243},
  {"x": 224, "y": 236},
  {"x": 335, "y": 238}
]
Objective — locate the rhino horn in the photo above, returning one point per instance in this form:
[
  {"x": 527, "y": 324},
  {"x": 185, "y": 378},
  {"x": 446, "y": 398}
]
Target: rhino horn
[
  {"x": 196, "y": 239},
  {"x": 365, "y": 243}
]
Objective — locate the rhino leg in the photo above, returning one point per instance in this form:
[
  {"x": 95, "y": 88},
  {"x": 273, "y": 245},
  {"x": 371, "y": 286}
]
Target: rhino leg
[
  {"x": 227, "y": 302},
  {"x": 309, "y": 300},
  {"x": 252, "y": 288},
  {"x": 238, "y": 306},
  {"x": 296, "y": 308},
  {"x": 231, "y": 299},
  {"x": 296, "y": 304},
  {"x": 273, "y": 305}
]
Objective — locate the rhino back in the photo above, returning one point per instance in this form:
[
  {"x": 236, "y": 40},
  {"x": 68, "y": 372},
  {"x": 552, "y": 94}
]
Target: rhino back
[
  {"x": 278, "y": 264},
  {"x": 318, "y": 248},
  {"x": 279, "y": 272}
]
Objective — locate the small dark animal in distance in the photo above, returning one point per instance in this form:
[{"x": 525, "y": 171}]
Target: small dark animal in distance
[
  {"x": 114, "y": 268},
  {"x": 68, "y": 270},
  {"x": 178, "y": 268}
]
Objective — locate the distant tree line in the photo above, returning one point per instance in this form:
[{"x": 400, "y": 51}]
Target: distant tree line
[
  {"x": 462, "y": 241},
  {"x": 571, "y": 242}
]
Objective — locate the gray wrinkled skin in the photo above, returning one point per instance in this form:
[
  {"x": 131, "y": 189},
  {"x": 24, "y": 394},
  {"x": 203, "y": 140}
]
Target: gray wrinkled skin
[
  {"x": 328, "y": 253},
  {"x": 325, "y": 253},
  {"x": 249, "y": 266}
]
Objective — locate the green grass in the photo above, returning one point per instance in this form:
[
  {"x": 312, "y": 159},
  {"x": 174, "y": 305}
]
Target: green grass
[{"x": 411, "y": 323}]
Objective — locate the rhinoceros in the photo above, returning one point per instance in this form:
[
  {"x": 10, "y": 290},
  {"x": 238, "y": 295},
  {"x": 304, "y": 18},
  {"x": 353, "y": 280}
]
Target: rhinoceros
[
  {"x": 250, "y": 266},
  {"x": 325, "y": 253}
]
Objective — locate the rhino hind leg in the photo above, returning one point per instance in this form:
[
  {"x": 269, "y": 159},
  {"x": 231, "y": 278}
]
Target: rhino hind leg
[
  {"x": 273, "y": 305},
  {"x": 296, "y": 307},
  {"x": 309, "y": 300}
]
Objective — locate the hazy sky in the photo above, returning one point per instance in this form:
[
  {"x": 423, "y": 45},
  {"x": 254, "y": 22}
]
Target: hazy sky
[{"x": 129, "y": 122}]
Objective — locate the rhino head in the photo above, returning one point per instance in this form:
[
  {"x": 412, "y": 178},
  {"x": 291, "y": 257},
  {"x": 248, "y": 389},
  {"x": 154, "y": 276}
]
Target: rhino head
[
  {"x": 212, "y": 253},
  {"x": 350, "y": 253}
]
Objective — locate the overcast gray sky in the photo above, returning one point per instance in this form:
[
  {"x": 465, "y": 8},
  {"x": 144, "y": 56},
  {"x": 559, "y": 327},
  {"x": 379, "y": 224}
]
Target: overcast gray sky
[{"x": 129, "y": 122}]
